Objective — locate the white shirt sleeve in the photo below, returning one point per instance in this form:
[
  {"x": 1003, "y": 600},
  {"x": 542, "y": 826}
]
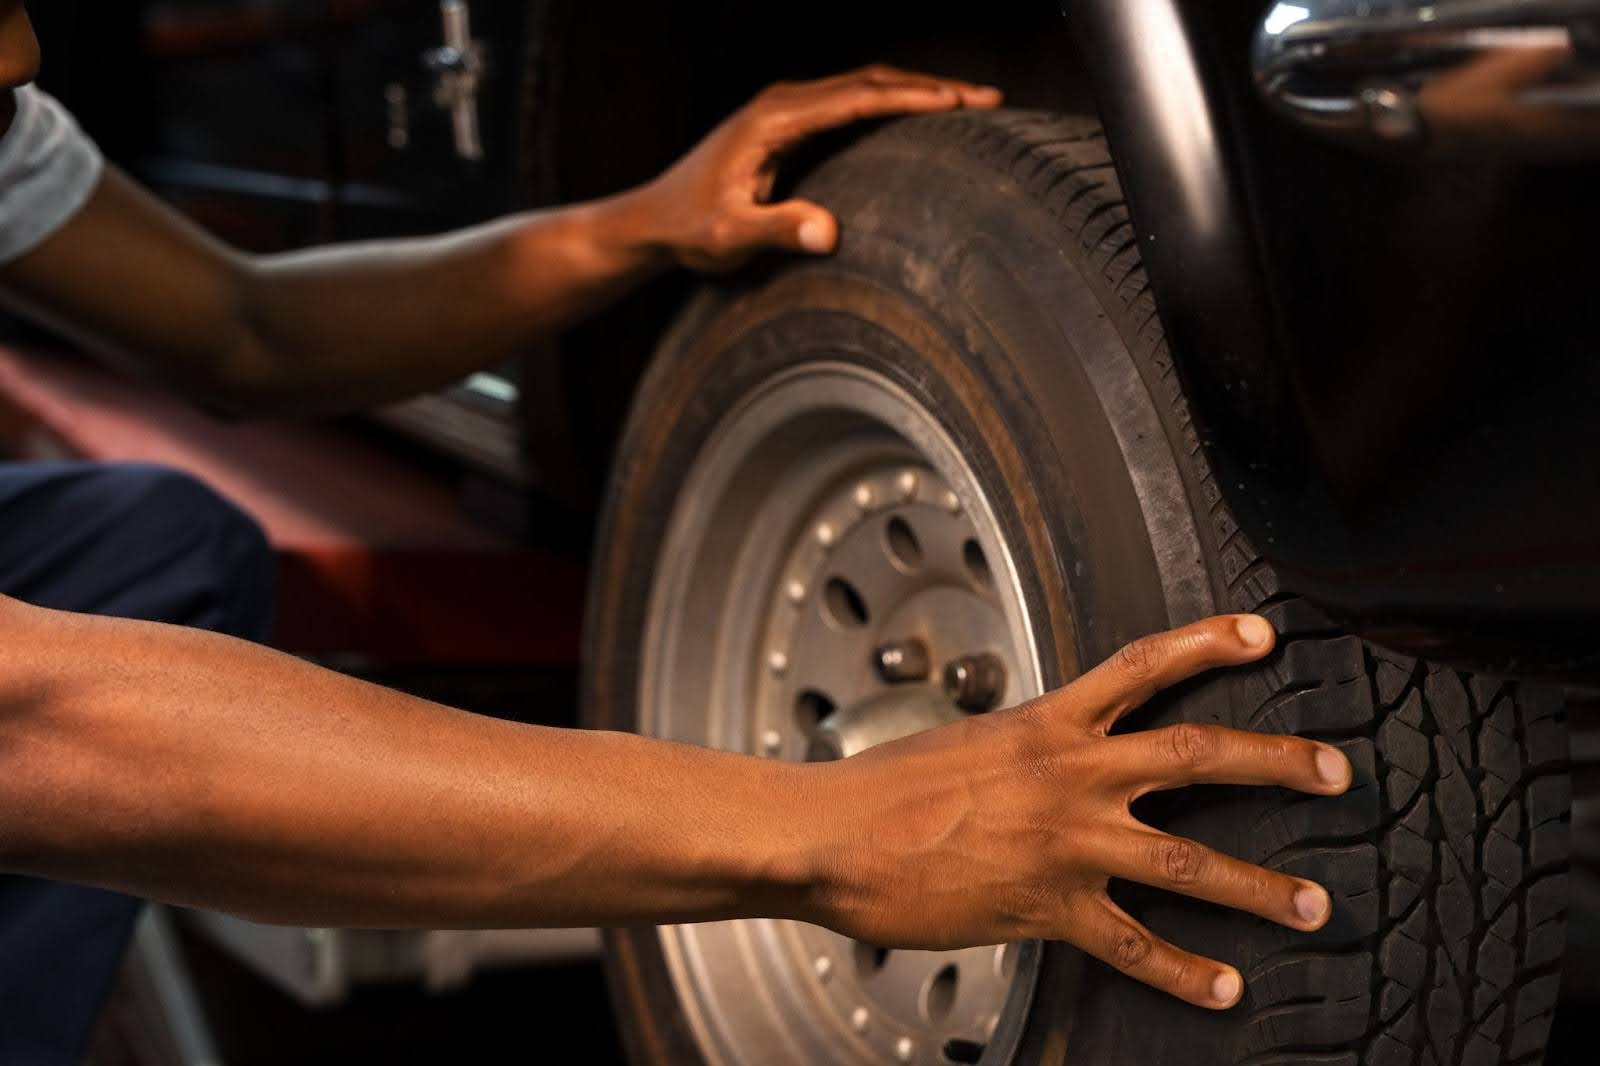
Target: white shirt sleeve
[{"x": 48, "y": 168}]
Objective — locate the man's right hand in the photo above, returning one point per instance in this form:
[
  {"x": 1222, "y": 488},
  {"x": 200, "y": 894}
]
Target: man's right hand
[
  {"x": 1008, "y": 826},
  {"x": 712, "y": 210}
]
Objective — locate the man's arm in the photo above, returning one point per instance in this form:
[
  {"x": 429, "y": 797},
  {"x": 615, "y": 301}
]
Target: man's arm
[
  {"x": 355, "y": 325},
  {"x": 190, "y": 767}
]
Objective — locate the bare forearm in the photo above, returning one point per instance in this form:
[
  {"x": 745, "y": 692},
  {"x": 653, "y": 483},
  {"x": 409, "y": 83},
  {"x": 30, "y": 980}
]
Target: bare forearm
[
  {"x": 329, "y": 329},
  {"x": 194, "y": 768},
  {"x": 359, "y": 324}
]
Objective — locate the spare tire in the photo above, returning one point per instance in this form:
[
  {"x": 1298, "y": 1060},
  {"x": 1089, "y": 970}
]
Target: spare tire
[{"x": 966, "y": 426}]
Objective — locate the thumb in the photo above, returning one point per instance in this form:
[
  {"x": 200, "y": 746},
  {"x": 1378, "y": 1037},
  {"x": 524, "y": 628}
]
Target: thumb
[{"x": 798, "y": 225}]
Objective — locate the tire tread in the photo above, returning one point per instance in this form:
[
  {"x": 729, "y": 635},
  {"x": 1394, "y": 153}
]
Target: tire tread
[{"x": 1448, "y": 855}]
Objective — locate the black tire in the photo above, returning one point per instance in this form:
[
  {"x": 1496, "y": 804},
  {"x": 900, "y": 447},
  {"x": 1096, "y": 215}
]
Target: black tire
[{"x": 989, "y": 265}]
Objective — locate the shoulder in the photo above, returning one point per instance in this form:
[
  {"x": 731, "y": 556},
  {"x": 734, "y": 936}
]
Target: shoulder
[{"x": 48, "y": 168}]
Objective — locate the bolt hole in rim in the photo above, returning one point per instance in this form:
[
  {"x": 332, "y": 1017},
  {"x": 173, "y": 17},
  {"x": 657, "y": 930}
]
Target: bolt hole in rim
[
  {"x": 903, "y": 547},
  {"x": 939, "y": 995},
  {"x": 810, "y": 708},
  {"x": 870, "y": 960},
  {"x": 844, "y": 604},
  {"x": 827, "y": 516},
  {"x": 977, "y": 563},
  {"x": 962, "y": 1051}
]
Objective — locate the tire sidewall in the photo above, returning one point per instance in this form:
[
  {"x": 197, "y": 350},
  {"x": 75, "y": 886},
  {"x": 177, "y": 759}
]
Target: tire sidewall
[{"x": 991, "y": 327}]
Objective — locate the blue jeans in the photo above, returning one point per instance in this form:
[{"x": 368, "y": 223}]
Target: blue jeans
[{"x": 131, "y": 541}]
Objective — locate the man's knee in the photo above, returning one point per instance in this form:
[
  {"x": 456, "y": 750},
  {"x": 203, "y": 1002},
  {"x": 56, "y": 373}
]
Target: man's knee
[
  {"x": 133, "y": 540},
  {"x": 172, "y": 503},
  {"x": 221, "y": 551}
]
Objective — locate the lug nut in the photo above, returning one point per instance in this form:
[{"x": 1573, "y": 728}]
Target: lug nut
[
  {"x": 901, "y": 660},
  {"x": 975, "y": 682}
]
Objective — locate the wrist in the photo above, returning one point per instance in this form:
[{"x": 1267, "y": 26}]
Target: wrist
[
  {"x": 630, "y": 226},
  {"x": 816, "y": 866}
]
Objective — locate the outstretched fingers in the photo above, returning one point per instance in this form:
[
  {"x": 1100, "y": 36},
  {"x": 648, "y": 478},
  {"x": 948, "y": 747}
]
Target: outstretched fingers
[
  {"x": 1192, "y": 869},
  {"x": 1190, "y": 753},
  {"x": 800, "y": 110},
  {"x": 1139, "y": 670},
  {"x": 1105, "y": 930}
]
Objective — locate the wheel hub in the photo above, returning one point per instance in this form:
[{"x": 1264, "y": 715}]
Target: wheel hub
[
  {"x": 887, "y": 581},
  {"x": 833, "y": 580},
  {"x": 899, "y": 712}
]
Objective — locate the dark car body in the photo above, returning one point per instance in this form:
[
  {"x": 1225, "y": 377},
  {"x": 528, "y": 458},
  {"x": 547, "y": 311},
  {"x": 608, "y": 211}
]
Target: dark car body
[
  {"x": 1389, "y": 349},
  {"x": 1391, "y": 354}
]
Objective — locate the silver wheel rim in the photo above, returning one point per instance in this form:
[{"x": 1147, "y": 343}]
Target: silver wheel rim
[{"x": 827, "y": 514}]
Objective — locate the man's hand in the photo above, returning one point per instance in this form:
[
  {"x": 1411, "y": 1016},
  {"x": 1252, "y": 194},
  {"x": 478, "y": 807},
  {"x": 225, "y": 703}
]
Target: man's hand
[
  {"x": 711, "y": 210},
  {"x": 1008, "y": 826}
]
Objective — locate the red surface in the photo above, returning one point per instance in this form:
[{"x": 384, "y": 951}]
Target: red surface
[{"x": 375, "y": 558}]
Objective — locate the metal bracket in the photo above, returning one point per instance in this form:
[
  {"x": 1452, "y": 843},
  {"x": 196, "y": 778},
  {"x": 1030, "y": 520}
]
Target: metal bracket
[{"x": 458, "y": 67}]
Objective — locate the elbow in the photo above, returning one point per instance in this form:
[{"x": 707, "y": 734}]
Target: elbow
[
  {"x": 244, "y": 384},
  {"x": 241, "y": 387},
  {"x": 243, "y": 380}
]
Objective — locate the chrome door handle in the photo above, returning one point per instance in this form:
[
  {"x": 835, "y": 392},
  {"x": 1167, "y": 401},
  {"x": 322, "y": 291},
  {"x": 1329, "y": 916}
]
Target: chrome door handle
[{"x": 1520, "y": 75}]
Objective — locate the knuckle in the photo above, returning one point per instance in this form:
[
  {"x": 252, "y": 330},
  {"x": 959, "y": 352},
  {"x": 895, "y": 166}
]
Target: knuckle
[
  {"x": 1188, "y": 744},
  {"x": 1136, "y": 659},
  {"x": 1181, "y": 977},
  {"x": 1036, "y": 906},
  {"x": 1262, "y": 889},
  {"x": 778, "y": 124},
  {"x": 1285, "y": 755},
  {"x": 1183, "y": 861},
  {"x": 722, "y": 236},
  {"x": 1131, "y": 949},
  {"x": 1033, "y": 750},
  {"x": 762, "y": 116}
]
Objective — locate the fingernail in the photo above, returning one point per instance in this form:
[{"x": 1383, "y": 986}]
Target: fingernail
[
  {"x": 1226, "y": 986},
  {"x": 1255, "y": 631},
  {"x": 1311, "y": 903},
  {"x": 1332, "y": 766},
  {"x": 814, "y": 235}
]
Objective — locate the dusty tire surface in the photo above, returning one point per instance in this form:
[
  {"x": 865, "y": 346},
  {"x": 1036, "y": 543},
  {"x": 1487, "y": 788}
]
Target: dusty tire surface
[{"x": 990, "y": 264}]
